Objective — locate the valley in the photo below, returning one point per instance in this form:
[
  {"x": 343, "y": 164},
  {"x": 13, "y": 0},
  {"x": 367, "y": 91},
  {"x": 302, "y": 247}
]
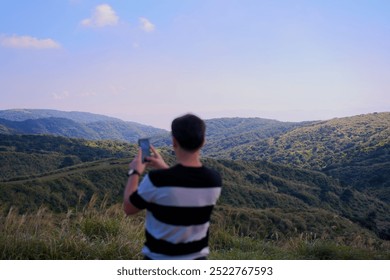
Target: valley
[{"x": 310, "y": 190}]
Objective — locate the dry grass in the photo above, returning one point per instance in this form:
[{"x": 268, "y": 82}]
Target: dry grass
[
  {"x": 91, "y": 233},
  {"x": 104, "y": 232}
]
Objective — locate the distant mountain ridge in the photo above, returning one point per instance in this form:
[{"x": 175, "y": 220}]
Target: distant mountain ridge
[
  {"x": 72, "y": 124},
  {"x": 225, "y": 133},
  {"x": 32, "y": 114},
  {"x": 222, "y": 133}
]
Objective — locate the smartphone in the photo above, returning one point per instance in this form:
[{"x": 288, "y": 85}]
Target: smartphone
[{"x": 145, "y": 147}]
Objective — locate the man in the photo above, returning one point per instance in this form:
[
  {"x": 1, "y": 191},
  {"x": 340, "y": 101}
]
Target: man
[{"x": 178, "y": 200}]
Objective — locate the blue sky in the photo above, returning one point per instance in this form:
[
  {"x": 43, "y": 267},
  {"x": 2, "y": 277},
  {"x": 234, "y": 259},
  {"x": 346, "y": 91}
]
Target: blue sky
[{"x": 150, "y": 61}]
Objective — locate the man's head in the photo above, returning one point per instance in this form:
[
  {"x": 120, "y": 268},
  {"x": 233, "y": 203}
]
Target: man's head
[{"x": 189, "y": 131}]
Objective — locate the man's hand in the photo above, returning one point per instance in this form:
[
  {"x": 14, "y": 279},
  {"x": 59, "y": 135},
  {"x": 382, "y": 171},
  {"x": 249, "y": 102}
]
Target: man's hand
[
  {"x": 156, "y": 161},
  {"x": 137, "y": 163}
]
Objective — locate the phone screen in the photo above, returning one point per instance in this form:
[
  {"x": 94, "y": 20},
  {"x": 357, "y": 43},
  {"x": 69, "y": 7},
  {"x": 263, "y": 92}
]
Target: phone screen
[{"x": 145, "y": 147}]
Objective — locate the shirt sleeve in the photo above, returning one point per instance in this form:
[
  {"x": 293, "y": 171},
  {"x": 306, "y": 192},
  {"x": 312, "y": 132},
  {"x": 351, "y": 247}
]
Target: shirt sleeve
[{"x": 142, "y": 197}]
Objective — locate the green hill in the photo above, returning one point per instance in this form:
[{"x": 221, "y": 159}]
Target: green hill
[
  {"x": 320, "y": 145},
  {"x": 303, "y": 194},
  {"x": 98, "y": 168},
  {"x": 29, "y": 155},
  {"x": 225, "y": 133},
  {"x": 355, "y": 150},
  {"x": 293, "y": 190}
]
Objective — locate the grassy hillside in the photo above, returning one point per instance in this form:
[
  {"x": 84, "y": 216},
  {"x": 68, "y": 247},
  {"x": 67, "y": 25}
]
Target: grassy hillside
[
  {"x": 97, "y": 231},
  {"x": 60, "y": 198},
  {"x": 98, "y": 168},
  {"x": 262, "y": 185}
]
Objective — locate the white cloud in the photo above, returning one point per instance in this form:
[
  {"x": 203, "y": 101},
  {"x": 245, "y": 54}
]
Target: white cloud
[
  {"x": 88, "y": 94},
  {"x": 116, "y": 90},
  {"x": 103, "y": 15},
  {"x": 28, "y": 42},
  {"x": 60, "y": 96},
  {"x": 146, "y": 25}
]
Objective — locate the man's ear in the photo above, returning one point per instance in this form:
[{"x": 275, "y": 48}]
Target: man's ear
[{"x": 175, "y": 144}]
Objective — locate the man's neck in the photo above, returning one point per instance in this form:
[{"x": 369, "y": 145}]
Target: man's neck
[{"x": 188, "y": 159}]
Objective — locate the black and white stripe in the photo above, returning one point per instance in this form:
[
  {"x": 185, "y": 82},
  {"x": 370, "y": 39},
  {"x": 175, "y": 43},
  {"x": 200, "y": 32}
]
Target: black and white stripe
[{"x": 179, "y": 203}]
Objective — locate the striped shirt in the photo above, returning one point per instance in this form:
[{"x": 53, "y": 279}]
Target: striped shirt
[{"x": 179, "y": 202}]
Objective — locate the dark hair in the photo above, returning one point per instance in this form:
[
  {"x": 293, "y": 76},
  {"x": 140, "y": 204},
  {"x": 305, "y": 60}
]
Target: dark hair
[{"x": 189, "y": 131}]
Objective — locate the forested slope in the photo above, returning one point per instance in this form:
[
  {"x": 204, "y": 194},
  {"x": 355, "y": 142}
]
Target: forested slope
[
  {"x": 99, "y": 168},
  {"x": 355, "y": 150}
]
